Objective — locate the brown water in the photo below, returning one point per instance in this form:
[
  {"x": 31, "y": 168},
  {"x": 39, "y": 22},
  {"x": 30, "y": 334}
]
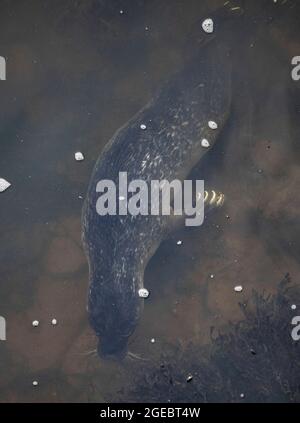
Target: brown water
[{"x": 76, "y": 72}]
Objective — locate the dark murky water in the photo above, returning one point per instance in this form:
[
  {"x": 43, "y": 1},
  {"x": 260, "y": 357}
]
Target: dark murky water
[{"x": 76, "y": 72}]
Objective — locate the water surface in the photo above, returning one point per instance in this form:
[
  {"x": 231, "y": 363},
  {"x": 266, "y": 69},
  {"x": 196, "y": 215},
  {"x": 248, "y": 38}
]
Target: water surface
[{"x": 76, "y": 72}]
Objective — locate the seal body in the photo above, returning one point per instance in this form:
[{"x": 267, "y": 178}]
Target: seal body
[{"x": 119, "y": 247}]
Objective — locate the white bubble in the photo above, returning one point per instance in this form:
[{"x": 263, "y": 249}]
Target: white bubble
[
  {"x": 212, "y": 276},
  {"x": 242, "y": 395},
  {"x": 208, "y": 25},
  {"x": 179, "y": 242},
  {"x": 152, "y": 340},
  {"x": 35, "y": 323},
  {"x": 205, "y": 143},
  {"x": 79, "y": 156},
  {"x": 293, "y": 306},
  {"x": 4, "y": 184},
  {"x": 238, "y": 288},
  {"x": 144, "y": 293},
  {"x": 54, "y": 322},
  {"x": 35, "y": 383},
  {"x": 143, "y": 126},
  {"x": 212, "y": 124}
]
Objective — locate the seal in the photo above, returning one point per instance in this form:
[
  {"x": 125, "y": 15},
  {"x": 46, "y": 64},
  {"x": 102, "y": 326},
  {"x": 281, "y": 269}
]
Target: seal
[{"x": 165, "y": 140}]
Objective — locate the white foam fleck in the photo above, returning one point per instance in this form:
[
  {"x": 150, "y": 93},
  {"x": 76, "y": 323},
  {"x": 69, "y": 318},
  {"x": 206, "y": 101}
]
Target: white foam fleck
[
  {"x": 189, "y": 378},
  {"x": 208, "y": 25},
  {"x": 143, "y": 293},
  {"x": 205, "y": 143},
  {"x": 212, "y": 124},
  {"x": 238, "y": 288},
  {"x": 79, "y": 156}
]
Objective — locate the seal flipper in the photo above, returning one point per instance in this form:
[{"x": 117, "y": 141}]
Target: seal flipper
[{"x": 212, "y": 200}]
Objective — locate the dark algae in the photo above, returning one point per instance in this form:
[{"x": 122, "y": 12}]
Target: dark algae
[{"x": 256, "y": 360}]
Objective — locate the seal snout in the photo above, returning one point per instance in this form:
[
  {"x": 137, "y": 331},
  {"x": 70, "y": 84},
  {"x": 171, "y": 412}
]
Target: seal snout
[{"x": 112, "y": 349}]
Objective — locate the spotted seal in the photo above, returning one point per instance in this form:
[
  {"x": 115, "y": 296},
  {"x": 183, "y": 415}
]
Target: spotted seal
[{"x": 168, "y": 146}]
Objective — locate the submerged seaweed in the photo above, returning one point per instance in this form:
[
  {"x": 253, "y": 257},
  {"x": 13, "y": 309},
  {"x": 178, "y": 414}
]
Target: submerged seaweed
[{"x": 256, "y": 361}]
